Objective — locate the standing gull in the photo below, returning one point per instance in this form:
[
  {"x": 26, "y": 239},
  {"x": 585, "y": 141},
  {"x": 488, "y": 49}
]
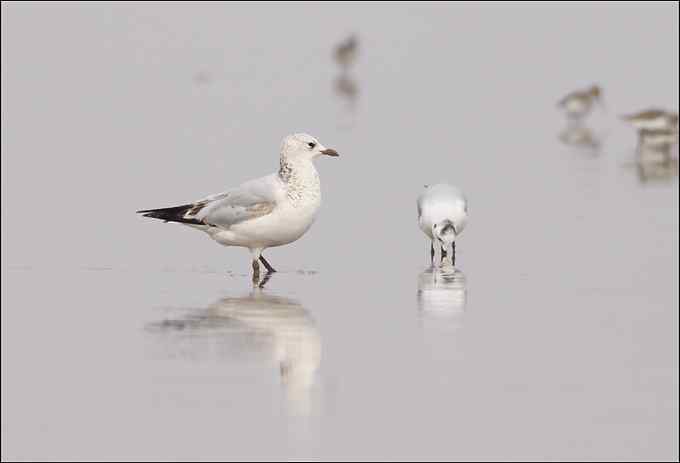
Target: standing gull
[
  {"x": 262, "y": 213},
  {"x": 442, "y": 216}
]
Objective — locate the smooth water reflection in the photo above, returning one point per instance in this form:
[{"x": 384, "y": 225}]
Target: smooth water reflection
[
  {"x": 580, "y": 136},
  {"x": 258, "y": 323},
  {"x": 442, "y": 295}
]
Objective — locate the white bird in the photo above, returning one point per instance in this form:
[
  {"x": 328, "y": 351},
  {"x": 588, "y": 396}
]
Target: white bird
[
  {"x": 442, "y": 216},
  {"x": 262, "y": 213}
]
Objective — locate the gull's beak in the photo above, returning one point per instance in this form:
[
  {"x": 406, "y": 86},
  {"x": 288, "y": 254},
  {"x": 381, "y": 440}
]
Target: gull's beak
[{"x": 330, "y": 152}]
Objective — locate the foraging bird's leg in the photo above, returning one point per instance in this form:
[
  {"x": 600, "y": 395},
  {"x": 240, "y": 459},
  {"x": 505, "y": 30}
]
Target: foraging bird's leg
[
  {"x": 269, "y": 268},
  {"x": 256, "y": 272},
  {"x": 432, "y": 253},
  {"x": 453, "y": 253}
]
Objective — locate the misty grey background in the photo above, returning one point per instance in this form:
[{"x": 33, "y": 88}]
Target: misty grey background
[{"x": 566, "y": 347}]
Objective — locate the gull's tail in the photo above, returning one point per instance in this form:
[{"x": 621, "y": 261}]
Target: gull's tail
[{"x": 172, "y": 214}]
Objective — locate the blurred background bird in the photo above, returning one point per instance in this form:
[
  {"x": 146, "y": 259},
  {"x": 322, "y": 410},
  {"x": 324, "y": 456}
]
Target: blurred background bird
[
  {"x": 578, "y": 104},
  {"x": 652, "y": 119},
  {"x": 346, "y": 52}
]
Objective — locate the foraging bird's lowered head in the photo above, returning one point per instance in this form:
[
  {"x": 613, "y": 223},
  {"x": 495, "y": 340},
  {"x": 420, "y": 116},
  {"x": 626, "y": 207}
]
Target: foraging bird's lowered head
[{"x": 445, "y": 232}]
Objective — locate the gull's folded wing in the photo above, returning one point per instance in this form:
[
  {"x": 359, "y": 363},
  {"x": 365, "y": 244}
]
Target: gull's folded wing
[{"x": 250, "y": 200}]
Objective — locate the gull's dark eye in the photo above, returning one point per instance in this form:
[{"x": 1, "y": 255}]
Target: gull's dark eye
[{"x": 311, "y": 144}]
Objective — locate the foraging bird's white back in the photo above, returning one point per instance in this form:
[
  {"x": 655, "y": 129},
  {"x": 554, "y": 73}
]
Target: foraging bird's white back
[{"x": 440, "y": 202}]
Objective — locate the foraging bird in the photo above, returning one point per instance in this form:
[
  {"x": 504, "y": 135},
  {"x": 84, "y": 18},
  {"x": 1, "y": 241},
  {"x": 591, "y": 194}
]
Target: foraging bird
[
  {"x": 653, "y": 119},
  {"x": 262, "y": 213},
  {"x": 346, "y": 52},
  {"x": 442, "y": 216},
  {"x": 579, "y": 103}
]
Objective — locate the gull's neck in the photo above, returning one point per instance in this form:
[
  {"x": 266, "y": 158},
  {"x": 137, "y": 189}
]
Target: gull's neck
[{"x": 301, "y": 179}]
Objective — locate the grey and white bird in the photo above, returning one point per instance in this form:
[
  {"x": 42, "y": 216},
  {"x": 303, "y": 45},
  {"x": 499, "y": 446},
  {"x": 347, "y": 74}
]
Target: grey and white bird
[
  {"x": 442, "y": 216},
  {"x": 266, "y": 212},
  {"x": 578, "y": 104},
  {"x": 653, "y": 119}
]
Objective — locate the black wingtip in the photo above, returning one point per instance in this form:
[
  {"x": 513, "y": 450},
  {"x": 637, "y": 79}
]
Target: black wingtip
[{"x": 171, "y": 214}]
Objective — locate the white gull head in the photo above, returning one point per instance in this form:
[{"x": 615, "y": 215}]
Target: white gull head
[{"x": 301, "y": 146}]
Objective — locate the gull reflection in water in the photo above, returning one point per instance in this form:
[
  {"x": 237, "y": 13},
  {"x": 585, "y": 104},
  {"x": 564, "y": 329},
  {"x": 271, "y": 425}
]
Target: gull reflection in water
[
  {"x": 277, "y": 327},
  {"x": 579, "y": 136},
  {"x": 442, "y": 296}
]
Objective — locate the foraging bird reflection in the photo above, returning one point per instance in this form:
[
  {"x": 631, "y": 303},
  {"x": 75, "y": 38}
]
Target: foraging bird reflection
[
  {"x": 442, "y": 295},
  {"x": 259, "y": 323}
]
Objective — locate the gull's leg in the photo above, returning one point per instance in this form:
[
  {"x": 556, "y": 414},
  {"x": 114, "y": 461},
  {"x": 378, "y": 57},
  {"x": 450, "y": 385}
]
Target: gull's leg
[
  {"x": 256, "y": 266},
  {"x": 266, "y": 264},
  {"x": 453, "y": 254},
  {"x": 256, "y": 272},
  {"x": 432, "y": 253}
]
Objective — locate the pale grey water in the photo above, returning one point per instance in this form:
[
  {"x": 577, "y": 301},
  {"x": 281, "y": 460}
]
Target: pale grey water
[{"x": 126, "y": 338}]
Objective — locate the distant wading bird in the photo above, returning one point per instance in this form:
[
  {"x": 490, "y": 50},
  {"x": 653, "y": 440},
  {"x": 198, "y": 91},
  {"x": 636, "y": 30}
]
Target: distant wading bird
[
  {"x": 442, "y": 216},
  {"x": 653, "y": 119},
  {"x": 346, "y": 52},
  {"x": 262, "y": 213},
  {"x": 578, "y": 104}
]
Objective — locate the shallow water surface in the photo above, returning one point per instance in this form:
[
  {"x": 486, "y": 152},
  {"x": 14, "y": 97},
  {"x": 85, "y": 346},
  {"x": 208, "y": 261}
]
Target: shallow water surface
[{"x": 556, "y": 337}]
